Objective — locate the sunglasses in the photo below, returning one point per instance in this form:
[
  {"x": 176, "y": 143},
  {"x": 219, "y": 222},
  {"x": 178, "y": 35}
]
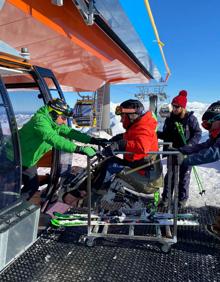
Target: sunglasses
[
  {"x": 176, "y": 106},
  {"x": 120, "y": 110}
]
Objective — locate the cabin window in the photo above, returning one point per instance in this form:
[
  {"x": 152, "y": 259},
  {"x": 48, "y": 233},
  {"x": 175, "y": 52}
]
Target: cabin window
[
  {"x": 24, "y": 95},
  {"x": 52, "y": 87},
  {"x": 9, "y": 171}
]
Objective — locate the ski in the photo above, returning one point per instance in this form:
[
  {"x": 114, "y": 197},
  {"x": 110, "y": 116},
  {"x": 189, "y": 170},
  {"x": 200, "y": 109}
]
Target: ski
[
  {"x": 74, "y": 216},
  {"x": 100, "y": 217},
  {"x": 74, "y": 223},
  {"x": 180, "y": 216}
]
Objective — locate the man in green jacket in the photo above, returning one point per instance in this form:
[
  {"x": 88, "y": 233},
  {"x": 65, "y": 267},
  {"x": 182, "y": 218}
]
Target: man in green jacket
[{"x": 48, "y": 129}]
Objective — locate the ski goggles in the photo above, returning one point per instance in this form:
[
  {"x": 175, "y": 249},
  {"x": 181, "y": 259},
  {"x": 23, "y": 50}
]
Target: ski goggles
[
  {"x": 66, "y": 113},
  {"x": 207, "y": 124},
  {"x": 120, "y": 110}
]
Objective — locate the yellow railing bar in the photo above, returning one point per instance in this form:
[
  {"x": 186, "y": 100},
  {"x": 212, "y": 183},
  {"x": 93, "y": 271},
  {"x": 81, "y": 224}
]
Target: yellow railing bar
[{"x": 160, "y": 44}]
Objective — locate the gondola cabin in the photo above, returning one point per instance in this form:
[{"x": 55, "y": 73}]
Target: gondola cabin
[
  {"x": 24, "y": 88},
  {"x": 165, "y": 111},
  {"x": 84, "y": 112}
]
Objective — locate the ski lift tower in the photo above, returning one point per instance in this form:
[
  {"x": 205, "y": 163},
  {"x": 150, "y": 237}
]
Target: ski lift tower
[{"x": 152, "y": 93}]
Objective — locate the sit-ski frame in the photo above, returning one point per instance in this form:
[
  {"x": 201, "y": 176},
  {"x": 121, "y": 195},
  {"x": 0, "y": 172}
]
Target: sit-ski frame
[{"x": 171, "y": 237}]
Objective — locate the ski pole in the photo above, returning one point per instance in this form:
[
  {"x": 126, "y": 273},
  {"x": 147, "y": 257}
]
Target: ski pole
[
  {"x": 199, "y": 183},
  {"x": 198, "y": 180}
]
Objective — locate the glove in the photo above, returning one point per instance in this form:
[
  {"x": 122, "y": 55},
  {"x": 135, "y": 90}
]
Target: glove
[
  {"x": 89, "y": 151},
  {"x": 115, "y": 146},
  {"x": 186, "y": 149},
  {"x": 116, "y": 138},
  {"x": 108, "y": 151},
  {"x": 99, "y": 141}
]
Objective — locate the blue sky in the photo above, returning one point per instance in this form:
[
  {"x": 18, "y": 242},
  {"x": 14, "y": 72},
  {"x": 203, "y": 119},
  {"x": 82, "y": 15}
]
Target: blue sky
[{"x": 190, "y": 30}]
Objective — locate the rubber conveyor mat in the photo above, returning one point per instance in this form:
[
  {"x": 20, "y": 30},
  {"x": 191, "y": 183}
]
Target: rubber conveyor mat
[{"x": 57, "y": 256}]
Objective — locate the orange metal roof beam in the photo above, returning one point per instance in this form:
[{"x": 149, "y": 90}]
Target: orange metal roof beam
[{"x": 71, "y": 25}]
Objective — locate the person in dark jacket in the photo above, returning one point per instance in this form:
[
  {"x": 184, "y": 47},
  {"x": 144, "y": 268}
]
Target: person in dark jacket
[
  {"x": 180, "y": 117},
  {"x": 208, "y": 151},
  {"x": 47, "y": 129},
  {"x": 139, "y": 138}
]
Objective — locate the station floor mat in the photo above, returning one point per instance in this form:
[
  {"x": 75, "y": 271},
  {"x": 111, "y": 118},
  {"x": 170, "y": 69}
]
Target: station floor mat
[{"x": 58, "y": 256}]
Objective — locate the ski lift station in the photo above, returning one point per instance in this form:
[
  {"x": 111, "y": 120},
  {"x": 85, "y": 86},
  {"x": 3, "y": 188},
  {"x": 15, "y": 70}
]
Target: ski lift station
[{"x": 48, "y": 48}]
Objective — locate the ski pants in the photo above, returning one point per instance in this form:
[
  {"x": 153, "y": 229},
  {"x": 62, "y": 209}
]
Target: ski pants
[{"x": 183, "y": 186}]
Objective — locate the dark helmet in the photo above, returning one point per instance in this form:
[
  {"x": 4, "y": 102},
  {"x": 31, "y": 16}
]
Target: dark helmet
[
  {"x": 213, "y": 112},
  {"x": 135, "y": 105},
  {"x": 57, "y": 107}
]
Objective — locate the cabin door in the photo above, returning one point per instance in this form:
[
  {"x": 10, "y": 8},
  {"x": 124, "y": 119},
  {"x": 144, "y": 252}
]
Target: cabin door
[{"x": 61, "y": 161}]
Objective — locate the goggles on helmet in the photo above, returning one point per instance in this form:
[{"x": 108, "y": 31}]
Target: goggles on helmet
[
  {"x": 65, "y": 112},
  {"x": 120, "y": 110},
  {"x": 207, "y": 124}
]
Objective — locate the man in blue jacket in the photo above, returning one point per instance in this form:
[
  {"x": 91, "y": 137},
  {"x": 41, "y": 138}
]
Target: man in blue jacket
[{"x": 208, "y": 151}]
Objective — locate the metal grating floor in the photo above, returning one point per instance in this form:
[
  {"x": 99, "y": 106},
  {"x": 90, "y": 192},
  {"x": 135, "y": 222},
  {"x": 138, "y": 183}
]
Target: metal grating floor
[{"x": 57, "y": 256}]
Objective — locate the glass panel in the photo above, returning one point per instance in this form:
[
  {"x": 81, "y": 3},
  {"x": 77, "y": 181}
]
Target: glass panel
[
  {"x": 25, "y": 103},
  {"x": 9, "y": 173},
  {"x": 52, "y": 87}
]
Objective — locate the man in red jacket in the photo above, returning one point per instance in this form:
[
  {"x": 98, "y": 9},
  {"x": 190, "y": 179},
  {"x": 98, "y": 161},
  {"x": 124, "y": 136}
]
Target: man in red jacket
[{"x": 139, "y": 139}]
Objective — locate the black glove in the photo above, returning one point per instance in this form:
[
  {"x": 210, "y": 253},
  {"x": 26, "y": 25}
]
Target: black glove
[
  {"x": 108, "y": 151},
  {"x": 115, "y": 146},
  {"x": 186, "y": 149},
  {"x": 116, "y": 137},
  {"x": 99, "y": 141},
  {"x": 120, "y": 145}
]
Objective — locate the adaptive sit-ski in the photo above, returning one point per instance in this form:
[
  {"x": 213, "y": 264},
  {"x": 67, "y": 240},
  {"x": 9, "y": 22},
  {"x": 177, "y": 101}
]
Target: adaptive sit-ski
[{"x": 99, "y": 225}]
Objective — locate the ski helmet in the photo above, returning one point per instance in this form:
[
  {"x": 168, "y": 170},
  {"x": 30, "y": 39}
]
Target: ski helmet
[
  {"x": 57, "y": 107},
  {"x": 211, "y": 114},
  {"x": 130, "y": 106}
]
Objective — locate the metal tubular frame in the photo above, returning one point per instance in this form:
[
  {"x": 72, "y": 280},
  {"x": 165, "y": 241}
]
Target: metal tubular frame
[{"x": 171, "y": 237}]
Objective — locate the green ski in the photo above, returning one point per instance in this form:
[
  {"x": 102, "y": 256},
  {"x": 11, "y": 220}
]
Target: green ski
[{"x": 163, "y": 221}]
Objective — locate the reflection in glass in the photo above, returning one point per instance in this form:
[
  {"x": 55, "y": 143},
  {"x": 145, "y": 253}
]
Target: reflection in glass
[{"x": 9, "y": 172}]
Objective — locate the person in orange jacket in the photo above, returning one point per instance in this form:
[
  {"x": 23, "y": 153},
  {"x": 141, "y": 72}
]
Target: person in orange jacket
[{"x": 138, "y": 139}]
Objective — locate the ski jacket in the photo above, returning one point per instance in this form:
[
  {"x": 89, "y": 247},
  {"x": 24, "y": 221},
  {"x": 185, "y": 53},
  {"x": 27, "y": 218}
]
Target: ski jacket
[
  {"x": 40, "y": 134},
  {"x": 203, "y": 153},
  {"x": 192, "y": 131},
  {"x": 141, "y": 137}
]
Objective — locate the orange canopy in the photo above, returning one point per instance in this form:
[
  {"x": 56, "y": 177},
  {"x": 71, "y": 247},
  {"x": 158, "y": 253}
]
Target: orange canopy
[{"x": 81, "y": 56}]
